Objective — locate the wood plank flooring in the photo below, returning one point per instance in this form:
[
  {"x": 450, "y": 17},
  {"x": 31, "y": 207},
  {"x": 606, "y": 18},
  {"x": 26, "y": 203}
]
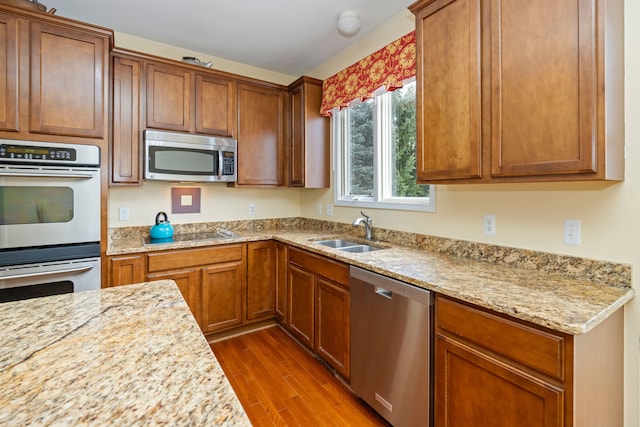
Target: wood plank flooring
[{"x": 280, "y": 384}]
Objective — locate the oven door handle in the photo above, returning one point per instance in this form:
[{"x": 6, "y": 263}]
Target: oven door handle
[
  {"x": 30, "y": 174},
  {"x": 48, "y": 273}
]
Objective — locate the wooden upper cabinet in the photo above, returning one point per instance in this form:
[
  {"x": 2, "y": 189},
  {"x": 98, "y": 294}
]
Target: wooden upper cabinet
[
  {"x": 180, "y": 99},
  {"x": 68, "y": 76},
  {"x": 9, "y": 74},
  {"x": 53, "y": 77},
  {"x": 126, "y": 147},
  {"x": 448, "y": 90},
  {"x": 216, "y": 106},
  {"x": 309, "y": 159},
  {"x": 261, "y": 133},
  {"x": 169, "y": 92},
  {"x": 544, "y": 94},
  {"x": 515, "y": 92}
]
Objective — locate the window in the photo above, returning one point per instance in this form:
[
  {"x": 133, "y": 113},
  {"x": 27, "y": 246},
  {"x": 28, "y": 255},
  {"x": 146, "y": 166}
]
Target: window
[{"x": 375, "y": 154}]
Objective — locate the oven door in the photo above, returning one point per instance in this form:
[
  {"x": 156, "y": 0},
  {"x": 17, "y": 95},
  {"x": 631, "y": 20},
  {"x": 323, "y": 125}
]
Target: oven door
[
  {"x": 51, "y": 278},
  {"x": 48, "y": 205}
]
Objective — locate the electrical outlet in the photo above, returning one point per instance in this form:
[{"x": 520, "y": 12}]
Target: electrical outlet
[
  {"x": 572, "y": 232},
  {"x": 123, "y": 214},
  {"x": 319, "y": 208},
  {"x": 489, "y": 225},
  {"x": 252, "y": 208},
  {"x": 329, "y": 209}
]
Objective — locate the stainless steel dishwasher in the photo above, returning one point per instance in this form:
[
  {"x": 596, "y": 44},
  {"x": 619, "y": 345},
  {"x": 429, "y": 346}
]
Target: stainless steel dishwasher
[{"x": 391, "y": 342}]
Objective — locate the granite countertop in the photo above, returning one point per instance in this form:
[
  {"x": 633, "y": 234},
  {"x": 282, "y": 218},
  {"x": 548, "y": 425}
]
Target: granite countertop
[
  {"x": 131, "y": 355},
  {"x": 572, "y": 304}
]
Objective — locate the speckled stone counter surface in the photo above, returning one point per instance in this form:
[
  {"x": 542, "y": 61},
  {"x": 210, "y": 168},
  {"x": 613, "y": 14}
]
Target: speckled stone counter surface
[
  {"x": 567, "y": 294},
  {"x": 131, "y": 355}
]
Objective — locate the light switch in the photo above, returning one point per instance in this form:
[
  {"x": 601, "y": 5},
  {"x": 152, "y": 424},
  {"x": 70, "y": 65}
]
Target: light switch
[{"x": 186, "y": 200}]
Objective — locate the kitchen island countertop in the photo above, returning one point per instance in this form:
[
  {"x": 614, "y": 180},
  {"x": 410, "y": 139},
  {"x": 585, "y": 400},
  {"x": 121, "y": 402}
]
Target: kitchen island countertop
[{"x": 131, "y": 355}]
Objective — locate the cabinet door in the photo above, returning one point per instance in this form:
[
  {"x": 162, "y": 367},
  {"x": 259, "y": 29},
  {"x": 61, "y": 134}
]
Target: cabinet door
[
  {"x": 260, "y": 135},
  {"x": 333, "y": 326},
  {"x": 68, "y": 69},
  {"x": 187, "y": 281},
  {"x": 216, "y": 106},
  {"x": 281, "y": 282},
  {"x": 472, "y": 386},
  {"x": 296, "y": 150},
  {"x": 8, "y": 73},
  {"x": 309, "y": 159},
  {"x": 169, "y": 102},
  {"x": 544, "y": 91},
  {"x": 126, "y": 145},
  {"x": 222, "y": 293},
  {"x": 301, "y": 305},
  {"x": 448, "y": 98},
  {"x": 261, "y": 257},
  {"x": 125, "y": 270}
]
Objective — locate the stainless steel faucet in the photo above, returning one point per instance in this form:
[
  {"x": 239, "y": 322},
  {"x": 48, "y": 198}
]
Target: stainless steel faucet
[{"x": 366, "y": 220}]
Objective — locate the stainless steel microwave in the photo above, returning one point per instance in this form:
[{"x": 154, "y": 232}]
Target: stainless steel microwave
[{"x": 171, "y": 156}]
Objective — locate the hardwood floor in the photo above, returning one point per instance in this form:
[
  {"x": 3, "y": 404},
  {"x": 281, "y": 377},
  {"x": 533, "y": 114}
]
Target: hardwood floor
[{"x": 279, "y": 383}]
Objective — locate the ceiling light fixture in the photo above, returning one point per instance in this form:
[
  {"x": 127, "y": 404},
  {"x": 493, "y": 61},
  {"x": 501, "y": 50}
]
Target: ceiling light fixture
[{"x": 348, "y": 23}]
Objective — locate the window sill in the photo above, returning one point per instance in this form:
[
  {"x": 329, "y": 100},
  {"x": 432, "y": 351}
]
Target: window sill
[{"x": 403, "y": 206}]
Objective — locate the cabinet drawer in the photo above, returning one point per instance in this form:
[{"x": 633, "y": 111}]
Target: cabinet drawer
[
  {"x": 537, "y": 349},
  {"x": 191, "y": 257},
  {"x": 332, "y": 270}
]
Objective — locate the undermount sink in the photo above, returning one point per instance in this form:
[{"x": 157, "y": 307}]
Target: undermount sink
[
  {"x": 360, "y": 248},
  {"x": 336, "y": 243},
  {"x": 347, "y": 245}
]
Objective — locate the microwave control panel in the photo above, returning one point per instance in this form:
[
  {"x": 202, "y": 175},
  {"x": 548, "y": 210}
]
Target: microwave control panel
[{"x": 228, "y": 163}]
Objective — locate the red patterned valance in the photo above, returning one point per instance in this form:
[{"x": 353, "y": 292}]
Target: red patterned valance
[{"x": 387, "y": 67}]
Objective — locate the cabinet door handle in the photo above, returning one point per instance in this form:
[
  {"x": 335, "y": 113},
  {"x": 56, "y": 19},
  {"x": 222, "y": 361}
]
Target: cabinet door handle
[{"x": 384, "y": 292}]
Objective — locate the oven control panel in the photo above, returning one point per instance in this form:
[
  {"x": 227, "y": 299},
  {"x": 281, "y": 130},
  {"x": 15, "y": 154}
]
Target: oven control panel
[{"x": 31, "y": 152}]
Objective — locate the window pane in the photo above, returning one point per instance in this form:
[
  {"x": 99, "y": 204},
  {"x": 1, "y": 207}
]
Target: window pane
[
  {"x": 403, "y": 144},
  {"x": 360, "y": 149}
]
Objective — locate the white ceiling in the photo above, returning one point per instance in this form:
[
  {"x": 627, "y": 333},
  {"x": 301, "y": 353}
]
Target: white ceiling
[{"x": 287, "y": 36}]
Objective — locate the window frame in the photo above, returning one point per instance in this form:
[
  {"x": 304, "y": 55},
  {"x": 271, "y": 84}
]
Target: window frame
[{"x": 381, "y": 198}]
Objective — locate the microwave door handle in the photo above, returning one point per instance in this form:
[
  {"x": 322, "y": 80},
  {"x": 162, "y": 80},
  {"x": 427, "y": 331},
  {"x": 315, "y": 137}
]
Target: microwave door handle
[
  {"x": 48, "y": 273},
  {"x": 220, "y": 164},
  {"x": 46, "y": 175}
]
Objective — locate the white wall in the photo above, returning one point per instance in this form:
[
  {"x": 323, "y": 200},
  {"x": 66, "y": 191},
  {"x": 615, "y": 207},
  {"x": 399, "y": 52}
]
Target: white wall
[
  {"x": 218, "y": 203},
  {"x": 127, "y": 41},
  {"x": 527, "y": 215}
]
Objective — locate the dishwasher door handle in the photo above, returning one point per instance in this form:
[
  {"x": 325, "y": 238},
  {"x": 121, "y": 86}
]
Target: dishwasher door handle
[{"x": 384, "y": 292}]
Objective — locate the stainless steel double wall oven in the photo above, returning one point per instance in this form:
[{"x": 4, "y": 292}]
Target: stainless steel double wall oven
[{"x": 49, "y": 218}]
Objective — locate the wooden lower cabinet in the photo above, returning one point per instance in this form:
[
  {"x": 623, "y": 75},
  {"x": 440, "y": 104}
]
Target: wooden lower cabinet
[
  {"x": 188, "y": 283},
  {"x": 282, "y": 257},
  {"x": 225, "y": 286},
  {"x": 222, "y": 296},
  {"x": 506, "y": 372},
  {"x": 301, "y": 304},
  {"x": 211, "y": 279},
  {"x": 261, "y": 275},
  {"x": 125, "y": 269},
  {"x": 318, "y": 307},
  {"x": 333, "y": 332},
  {"x": 507, "y": 396}
]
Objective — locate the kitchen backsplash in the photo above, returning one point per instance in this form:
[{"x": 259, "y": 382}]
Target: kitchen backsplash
[{"x": 613, "y": 274}]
